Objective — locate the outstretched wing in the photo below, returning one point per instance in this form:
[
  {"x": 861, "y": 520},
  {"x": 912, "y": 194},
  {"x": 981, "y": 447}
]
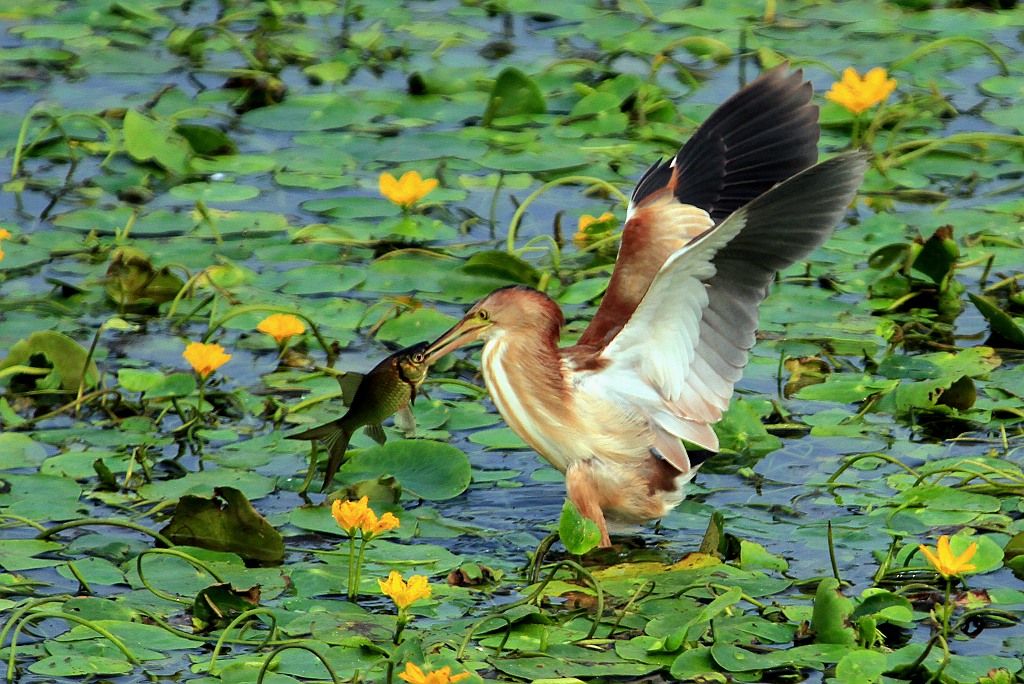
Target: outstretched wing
[
  {"x": 679, "y": 354},
  {"x": 762, "y": 135}
]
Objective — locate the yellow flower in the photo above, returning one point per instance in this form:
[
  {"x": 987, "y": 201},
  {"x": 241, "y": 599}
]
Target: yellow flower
[
  {"x": 4, "y": 235},
  {"x": 408, "y": 190},
  {"x": 590, "y": 227},
  {"x": 404, "y": 595},
  {"x": 860, "y": 94},
  {"x": 357, "y": 515},
  {"x": 414, "y": 675},
  {"x": 945, "y": 562},
  {"x": 351, "y": 514},
  {"x": 205, "y": 358},
  {"x": 587, "y": 220},
  {"x": 281, "y": 326},
  {"x": 372, "y": 526}
]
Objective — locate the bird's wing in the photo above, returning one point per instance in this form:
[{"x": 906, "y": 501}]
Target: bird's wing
[
  {"x": 762, "y": 135},
  {"x": 679, "y": 354}
]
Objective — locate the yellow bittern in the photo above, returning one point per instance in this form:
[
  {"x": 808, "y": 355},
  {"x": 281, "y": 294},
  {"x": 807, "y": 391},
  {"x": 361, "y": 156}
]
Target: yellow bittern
[{"x": 705, "y": 234}]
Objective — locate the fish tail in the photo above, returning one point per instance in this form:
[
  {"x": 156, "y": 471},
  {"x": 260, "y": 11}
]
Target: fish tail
[
  {"x": 337, "y": 443},
  {"x": 336, "y": 438}
]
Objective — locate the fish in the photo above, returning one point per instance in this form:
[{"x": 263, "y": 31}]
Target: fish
[{"x": 390, "y": 387}]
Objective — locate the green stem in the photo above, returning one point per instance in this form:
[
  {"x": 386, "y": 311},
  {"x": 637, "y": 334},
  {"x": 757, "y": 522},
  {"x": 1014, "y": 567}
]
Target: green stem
[
  {"x": 195, "y": 562},
  {"x": 946, "y": 606},
  {"x": 521, "y": 209},
  {"x": 116, "y": 522},
  {"x": 273, "y": 654},
  {"x": 352, "y": 596},
  {"x": 943, "y": 42},
  {"x": 69, "y": 618},
  {"x": 231, "y": 625},
  {"x": 359, "y": 566},
  {"x": 464, "y": 644},
  {"x": 403, "y": 620}
]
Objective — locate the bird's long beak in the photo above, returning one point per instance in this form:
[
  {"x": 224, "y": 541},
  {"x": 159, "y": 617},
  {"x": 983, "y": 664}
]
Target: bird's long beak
[{"x": 467, "y": 330}]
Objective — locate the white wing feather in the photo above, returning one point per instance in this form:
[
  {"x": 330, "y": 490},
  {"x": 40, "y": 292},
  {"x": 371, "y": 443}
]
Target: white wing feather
[{"x": 653, "y": 364}]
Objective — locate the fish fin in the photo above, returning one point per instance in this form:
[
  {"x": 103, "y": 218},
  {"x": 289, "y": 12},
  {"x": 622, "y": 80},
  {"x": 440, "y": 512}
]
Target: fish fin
[
  {"x": 318, "y": 432},
  {"x": 337, "y": 442},
  {"x": 349, "y": 383},
  {"x": 376, "y": 433},
  {"x": 405, "y": 421}
]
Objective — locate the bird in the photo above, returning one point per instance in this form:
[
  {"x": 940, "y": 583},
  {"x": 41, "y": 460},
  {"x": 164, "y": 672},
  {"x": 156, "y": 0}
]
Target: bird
[
  {"x": 391, "y": 386},
  {"x": 705, "y": 234}
]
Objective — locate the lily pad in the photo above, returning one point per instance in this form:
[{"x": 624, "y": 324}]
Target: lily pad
[{"x": 428, "y": 470}]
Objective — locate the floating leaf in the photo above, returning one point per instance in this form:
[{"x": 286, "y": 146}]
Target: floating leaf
[
  {"x": 50, "y": 349},
  {"x": 225, "y": 522},
  {"x": 428, "y": 470},
  {"x": 147, "y": 139},
  {"x": 514, "y": 94},
  {"x": 831, "y": 618}
]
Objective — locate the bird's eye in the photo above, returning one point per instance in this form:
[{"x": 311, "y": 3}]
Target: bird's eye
[
  {"x": 418, "y": 358},
  {"x": 483, "y": 315}
]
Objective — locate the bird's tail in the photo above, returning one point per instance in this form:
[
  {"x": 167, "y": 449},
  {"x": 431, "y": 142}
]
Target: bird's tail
[{"x": 336, "y": 439}]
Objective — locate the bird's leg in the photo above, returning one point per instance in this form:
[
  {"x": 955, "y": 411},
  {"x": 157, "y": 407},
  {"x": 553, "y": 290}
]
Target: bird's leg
[{"x": 584, "y": 492}]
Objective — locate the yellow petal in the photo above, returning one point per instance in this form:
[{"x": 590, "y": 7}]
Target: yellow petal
[
  {"x": 350, "y": 514},
  {"x": 281, "y": 326},
  {"x": 413, "y": 674},
  {"x": 930, "y": 556},
  {"x": 388, "y": 184},
  {"x": 205, "y": 358}
]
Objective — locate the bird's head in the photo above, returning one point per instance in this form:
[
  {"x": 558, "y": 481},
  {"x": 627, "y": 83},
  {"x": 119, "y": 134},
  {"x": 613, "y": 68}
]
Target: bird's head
[{"x": 513, "y": 310}]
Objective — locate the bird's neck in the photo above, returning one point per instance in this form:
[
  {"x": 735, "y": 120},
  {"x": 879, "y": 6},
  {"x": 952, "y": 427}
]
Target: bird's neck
[{"x": 526, "y": 381}]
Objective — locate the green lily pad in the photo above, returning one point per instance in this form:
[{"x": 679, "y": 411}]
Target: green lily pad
[
  {"x": 147, "y": 139},
  {"x": 514, "y": 94},
  {"x": 428, "y": 470},
  {"x": 49, "y": 349}
]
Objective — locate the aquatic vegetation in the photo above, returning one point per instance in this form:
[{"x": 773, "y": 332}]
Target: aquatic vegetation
[{"x": 357, "y": 517}]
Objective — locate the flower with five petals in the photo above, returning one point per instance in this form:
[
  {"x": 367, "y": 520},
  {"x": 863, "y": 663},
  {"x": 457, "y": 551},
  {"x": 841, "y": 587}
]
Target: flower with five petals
[
  {"x": 281, "y": 326},
  {"x": 402, "y": 593},
  {"x": 407, "y": 190},
  {"x": 205, "y": 358},
  {"x": 945, "y": 562},
  {"x": 858, "y": 94}
]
